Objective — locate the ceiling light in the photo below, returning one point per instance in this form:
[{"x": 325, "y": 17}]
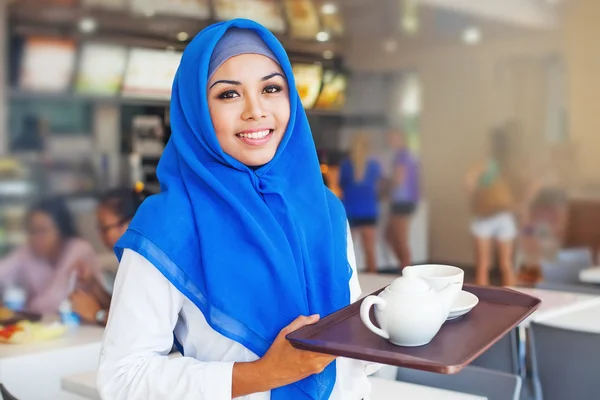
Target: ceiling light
[
  {"x": 390, "y": 45},
  {"x": 322, "y": 36},
  {"x": 328, "y": 54},
  {"x": 183, "y": 36},
  {"x": 471, "y": 35},
  {"x": 329, "y": 8},
  {"x": 87, "y": 25},
  {"x": 149, "y": 13}
]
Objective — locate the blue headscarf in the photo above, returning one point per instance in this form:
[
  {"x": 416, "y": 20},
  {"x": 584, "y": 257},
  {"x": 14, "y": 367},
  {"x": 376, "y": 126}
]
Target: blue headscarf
[{"x": 252, "y": 248}]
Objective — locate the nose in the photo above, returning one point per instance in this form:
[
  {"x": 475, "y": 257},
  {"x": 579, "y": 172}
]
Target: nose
[{"x": 253, "y": 108}]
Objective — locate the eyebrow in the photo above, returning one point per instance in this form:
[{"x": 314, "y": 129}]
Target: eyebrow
[{"x": 237, "y": 83}]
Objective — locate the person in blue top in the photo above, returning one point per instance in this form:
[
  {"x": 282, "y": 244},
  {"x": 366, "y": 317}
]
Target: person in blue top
[
  {"x": 405, "y": 196},
  {"x": 360, "y": 180},
  {"x": 243, "y": 245}
]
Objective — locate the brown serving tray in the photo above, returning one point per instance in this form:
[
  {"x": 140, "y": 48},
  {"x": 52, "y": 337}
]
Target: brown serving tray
[{"x": 457, "y": 343}]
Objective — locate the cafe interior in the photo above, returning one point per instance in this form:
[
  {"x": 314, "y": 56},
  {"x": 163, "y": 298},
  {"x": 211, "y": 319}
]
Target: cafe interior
[{"x": 456, "y": 77}]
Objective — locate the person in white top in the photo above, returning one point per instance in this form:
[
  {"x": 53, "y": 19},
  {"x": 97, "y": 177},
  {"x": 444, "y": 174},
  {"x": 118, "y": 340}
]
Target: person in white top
[{"x": 243, "y": 245}]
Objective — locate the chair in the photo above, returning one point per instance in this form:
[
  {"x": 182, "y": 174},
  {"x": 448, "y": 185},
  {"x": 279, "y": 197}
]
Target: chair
[
  {"x": 5, "y": 395},
  {"x": 562, "y": 271},
  {"x": 565, "y": 362},
  {"x": 570, "y": 287},
  {"x": 577, "y": 256},
  {"x": 503, "y": 356},
  {"x": 472, "y": 380}
]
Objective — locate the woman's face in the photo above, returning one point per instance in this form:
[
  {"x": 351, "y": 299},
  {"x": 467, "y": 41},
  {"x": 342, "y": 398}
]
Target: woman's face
[
  {"x": 248, "y": 99},
  {"x": 43, "y": 235},
  {"x": 110, "y": 226}
]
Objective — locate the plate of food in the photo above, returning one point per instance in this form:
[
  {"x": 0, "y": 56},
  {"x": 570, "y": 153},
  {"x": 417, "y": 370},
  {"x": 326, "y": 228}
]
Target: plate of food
[{"x": 29, "y": 332}]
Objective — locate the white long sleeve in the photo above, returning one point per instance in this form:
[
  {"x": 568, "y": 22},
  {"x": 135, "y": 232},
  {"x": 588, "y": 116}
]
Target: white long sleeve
[
  {"x": 146, "y": 309},
  {"x": 134, "y": 362}
]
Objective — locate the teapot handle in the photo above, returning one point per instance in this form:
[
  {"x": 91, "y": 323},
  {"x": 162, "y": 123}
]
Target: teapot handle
[{"x": 365, "y": 307}]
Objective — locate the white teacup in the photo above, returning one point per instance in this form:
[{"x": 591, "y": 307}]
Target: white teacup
[{"x": 438, "y": 276}]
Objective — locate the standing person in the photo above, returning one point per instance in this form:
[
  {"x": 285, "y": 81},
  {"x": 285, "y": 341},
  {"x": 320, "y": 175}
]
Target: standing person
[
  {"x": 494, "y": 225},
  {"x": 115, "y": 210},
  {"x": 46, "y": 267},
  {"x": 360, "y": 181},
  {"x": 243, "y": 245},
  {"x": 405, "y": 195}
]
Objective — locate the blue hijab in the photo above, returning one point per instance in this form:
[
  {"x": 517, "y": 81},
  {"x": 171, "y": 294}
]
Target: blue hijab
[{"x": 253, "y": 249}]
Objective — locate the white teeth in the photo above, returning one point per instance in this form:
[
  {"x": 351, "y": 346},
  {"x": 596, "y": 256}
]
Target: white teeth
[{"x": 255, "y": 135}]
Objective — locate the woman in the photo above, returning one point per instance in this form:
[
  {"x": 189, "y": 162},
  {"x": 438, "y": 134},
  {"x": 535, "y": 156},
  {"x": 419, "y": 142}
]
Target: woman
[
  {"x": 404, "y": 197},
  {"x": 243, "y": 245},
  {"x": 360, "y": 177},
  {"x": 115, "y": 210},
  {"x": 492, "y": 206},
  {"x": 47, "y": 266}
]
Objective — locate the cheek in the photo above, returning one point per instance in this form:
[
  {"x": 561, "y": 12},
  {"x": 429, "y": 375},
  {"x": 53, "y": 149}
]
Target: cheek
[
  {"x": 281, "y": 112},
  {"x": 223, "y": 119}
]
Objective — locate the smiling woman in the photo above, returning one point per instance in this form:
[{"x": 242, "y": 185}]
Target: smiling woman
[{"x": 240, "y": 248}]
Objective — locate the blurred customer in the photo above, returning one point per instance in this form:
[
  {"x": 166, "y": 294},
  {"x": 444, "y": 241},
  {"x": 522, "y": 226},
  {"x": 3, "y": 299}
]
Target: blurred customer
[
  {"x": 492, "y": 206},
  {"x": 47, "y": 266},
  {"x": 360, "y": 177},
  {"x": 116, "y": 208},
  {"x": 404, "y": 193}
]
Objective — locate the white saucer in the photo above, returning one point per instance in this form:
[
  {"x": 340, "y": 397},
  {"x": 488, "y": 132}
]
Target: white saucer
[{"x": 464, "y": 302}]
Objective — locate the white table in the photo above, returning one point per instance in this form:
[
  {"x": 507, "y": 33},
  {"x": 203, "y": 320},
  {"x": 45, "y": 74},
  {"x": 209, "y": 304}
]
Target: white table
[
  {"x": 590, "y": 275},
  {"x": 34, "y": 371},
  {"x": 586, "y": 319},
  {"x": 384, "y": 389},
  {"x": 84, "y": 386},
  {"x": 556, "y": 303},
  {"x": 372, "y": 282}
]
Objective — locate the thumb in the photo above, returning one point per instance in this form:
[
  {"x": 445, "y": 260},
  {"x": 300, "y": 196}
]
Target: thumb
[{"x": 300, "y": 322}]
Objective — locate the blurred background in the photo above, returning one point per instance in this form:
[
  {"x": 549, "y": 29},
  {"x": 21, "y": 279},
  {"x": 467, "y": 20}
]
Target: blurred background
[
  {"x": 86, "y": 83},
  {"x": 452, "y": 130}
]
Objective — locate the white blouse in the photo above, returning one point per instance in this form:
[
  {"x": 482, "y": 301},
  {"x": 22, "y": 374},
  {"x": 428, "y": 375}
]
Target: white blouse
[{"x": 146, "y": 309}]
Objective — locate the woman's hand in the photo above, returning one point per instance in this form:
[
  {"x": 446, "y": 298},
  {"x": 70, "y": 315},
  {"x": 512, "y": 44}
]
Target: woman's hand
[
  {"x": 281, "y": 365},
  {"x": 85, "y": 305}
]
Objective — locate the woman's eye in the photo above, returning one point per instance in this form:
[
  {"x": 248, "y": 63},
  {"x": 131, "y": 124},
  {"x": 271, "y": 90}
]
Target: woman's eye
[
  {"x": 229, "y": 94},
  {"x": 272, "y": 89}
]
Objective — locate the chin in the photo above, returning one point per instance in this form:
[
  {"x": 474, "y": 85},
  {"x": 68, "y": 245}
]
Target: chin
[{"x": 257, "y": 160}]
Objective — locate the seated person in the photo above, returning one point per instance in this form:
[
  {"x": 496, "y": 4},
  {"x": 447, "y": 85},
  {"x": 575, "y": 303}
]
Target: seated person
[
  {"x": 115, "y": 211},
  {"x": 47, "y": 266}
]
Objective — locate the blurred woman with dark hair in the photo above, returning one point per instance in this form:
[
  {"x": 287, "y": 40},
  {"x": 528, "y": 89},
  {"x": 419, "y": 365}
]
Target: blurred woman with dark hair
[
  {"x": 46, "y": 267},
  {"x": 115, "y": 210}
]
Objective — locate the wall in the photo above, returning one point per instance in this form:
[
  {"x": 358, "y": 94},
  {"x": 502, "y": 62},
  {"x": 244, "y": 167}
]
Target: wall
[
  {"x": 582, "y": 54},
  {"x": 467, "y": 91}
]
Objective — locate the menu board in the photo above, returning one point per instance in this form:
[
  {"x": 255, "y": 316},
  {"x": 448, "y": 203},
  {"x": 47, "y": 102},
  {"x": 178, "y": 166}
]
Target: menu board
[
  {"x": 150, "y": 73},
  {"x": 332, "y": 23},
  {"x": 333, "y": 94},
  {"x": 303, "y": 18},
  {"x": 308, "y": 82},
  {"x": 265, "y": 12},
  {"x": 101, "y": 69},
  {"x": 47, "y": 64},
  {"x": 185, "y": 8}
]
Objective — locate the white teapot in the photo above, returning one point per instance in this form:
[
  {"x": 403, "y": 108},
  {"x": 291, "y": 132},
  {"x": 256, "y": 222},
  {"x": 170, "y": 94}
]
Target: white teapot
[{"x": 409, "y": 311}]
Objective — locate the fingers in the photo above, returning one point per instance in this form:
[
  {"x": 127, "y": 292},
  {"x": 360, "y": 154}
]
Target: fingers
[{"x": 299, "y": 323}]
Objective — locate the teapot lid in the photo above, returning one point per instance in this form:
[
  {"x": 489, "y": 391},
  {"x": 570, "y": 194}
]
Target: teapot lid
[{"x": 409, "y": 284}]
